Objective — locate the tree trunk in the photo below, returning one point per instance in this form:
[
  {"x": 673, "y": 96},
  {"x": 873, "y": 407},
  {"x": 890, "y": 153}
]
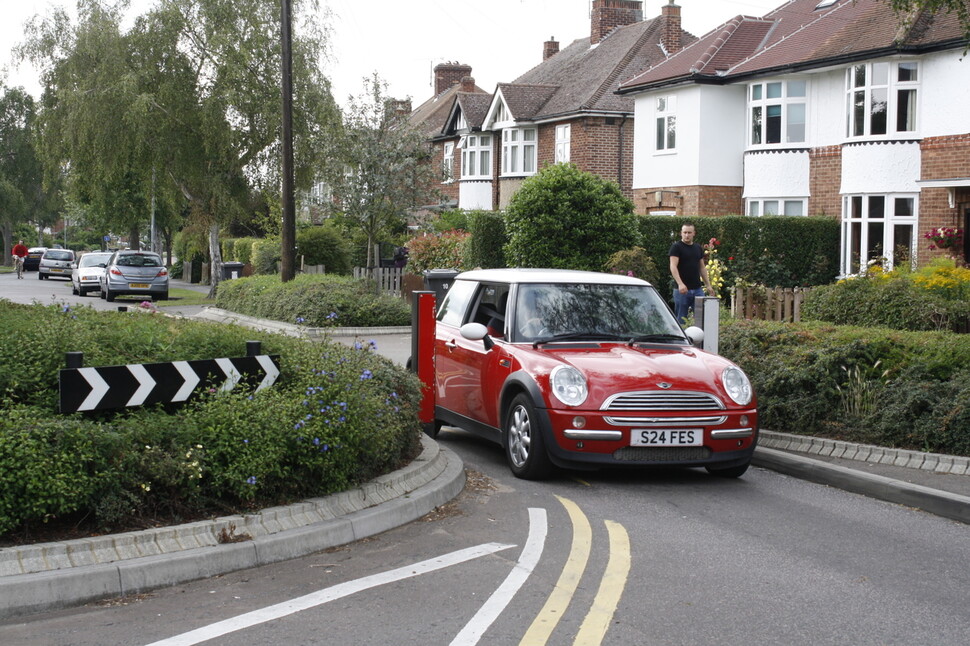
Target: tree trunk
[{"x": 215, "y": 259}]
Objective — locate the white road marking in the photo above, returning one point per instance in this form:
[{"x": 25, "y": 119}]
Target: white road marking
[
  {"x": 501, "y": 598},
  {"x": 326, "y": 595}
]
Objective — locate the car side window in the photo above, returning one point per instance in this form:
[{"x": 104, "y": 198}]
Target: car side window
[
  {"x": 490, "y": 308},
  {"x": 453, "y": 308}
]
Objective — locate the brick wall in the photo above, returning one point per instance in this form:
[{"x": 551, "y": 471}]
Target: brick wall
[
  {"x": 689, "y": 201},
  {"x": 825, "y": 177},
  {"x": 610, "y": 14},
  {"x": 942, "y": 158}
]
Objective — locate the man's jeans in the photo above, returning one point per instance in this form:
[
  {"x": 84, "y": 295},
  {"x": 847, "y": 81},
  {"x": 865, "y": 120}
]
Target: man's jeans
[{"x": 684, "y": 303}]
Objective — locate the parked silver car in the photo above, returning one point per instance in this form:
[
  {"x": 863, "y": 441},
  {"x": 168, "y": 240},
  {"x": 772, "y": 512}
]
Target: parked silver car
[
  {"x": 87, "y": 272},
  {"x": 55, "y": 263},
  {"x": 135, "y": 273}
]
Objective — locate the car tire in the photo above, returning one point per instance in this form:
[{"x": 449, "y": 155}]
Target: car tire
[
  {"x": 40, "y": 276},
  {"x": 108, "y": 295},
  {"x": 101, "y": 295},
  {"x": 75, "y": 290},
  {"x": 524, "y": 447},
  {"x": 729, "y": 472}
]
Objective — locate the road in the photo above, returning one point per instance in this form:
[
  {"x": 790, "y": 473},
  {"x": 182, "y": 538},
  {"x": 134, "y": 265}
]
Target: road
[
  {"x": 55, "y": 291},
  {"x": 623, "y": 557},
  {"x": 675, "y": 557}
]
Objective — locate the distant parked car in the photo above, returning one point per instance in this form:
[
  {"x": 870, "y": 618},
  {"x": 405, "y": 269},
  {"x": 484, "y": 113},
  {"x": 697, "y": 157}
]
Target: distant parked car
[
  {"x": 55, "y": 263},
  {"x": 138, "y": 273},
  {"x": 87, "y": 272},
  {"x": 32, "y": 261}
]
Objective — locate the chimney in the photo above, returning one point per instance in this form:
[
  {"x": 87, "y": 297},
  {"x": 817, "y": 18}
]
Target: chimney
[
  {"x": 550, "y": 48},
  {"x": 672, "y": 33},
  {"x": 610, "y": 14},
  {"x": 448, "y": 74},
  {"x": 399, "y": 107},
  {"x": 467, "y": 84}
]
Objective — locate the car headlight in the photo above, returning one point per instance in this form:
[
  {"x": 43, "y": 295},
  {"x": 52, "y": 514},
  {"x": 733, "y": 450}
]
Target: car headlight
[
  {"x": 568, "y": 385},
  {"x": 737, "y": 385}
]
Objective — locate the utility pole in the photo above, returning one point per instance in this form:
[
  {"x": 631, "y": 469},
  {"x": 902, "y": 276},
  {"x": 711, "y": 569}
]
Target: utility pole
[{"x": 288, "y": 252}]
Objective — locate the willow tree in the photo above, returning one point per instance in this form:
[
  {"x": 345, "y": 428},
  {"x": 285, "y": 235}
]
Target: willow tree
[{"x": 184, "y": 109}]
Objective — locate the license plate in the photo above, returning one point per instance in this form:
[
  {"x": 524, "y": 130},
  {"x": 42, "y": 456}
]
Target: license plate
[
  {"x": 667, "y": 437},
  {"x": 139, "y": 285},
  {"x": 55, "y": 270}
]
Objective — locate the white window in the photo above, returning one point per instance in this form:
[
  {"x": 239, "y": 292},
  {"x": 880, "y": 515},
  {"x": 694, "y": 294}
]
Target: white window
[
  {"x": 476, "y": 157},
  {"x": 776, "y": 207},
  {"x": 563, "y": 134},
  {"x": 877, "y": 227},
  {"x": 448, "y": 162},
  {"x": 777, "y": 112},
  {"x": 519, "y": 151},
  {"x": 666, "y": 121},
  {"x": 881, "y": 98}
]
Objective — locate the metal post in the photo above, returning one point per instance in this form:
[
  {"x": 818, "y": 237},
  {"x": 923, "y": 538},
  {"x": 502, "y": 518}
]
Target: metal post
[
  {"x": 74, "y": 360},
  {"x": 707, "y": 315},
  {"x": 253, "y": 348}
]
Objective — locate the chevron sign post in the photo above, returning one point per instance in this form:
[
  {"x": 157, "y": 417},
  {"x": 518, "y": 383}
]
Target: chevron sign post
[{"x": 142, "y": 384}]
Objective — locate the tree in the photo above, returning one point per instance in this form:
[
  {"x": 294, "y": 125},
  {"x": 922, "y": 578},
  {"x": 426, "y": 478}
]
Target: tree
[
  {"x": 183, "y": 111},
  {"x": 22, "y": 196},
  {"x": 566, "y": 218},
  {"x": 386, "y": 171}
]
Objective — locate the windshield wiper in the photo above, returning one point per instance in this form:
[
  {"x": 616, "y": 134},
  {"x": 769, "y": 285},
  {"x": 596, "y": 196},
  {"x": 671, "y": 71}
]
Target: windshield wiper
[
  {"x": 644, "y": 338},
  {"x": 578, "y": 336}
]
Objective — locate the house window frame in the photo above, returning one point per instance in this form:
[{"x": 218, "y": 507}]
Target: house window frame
[
  {"x": 665, "y": 124},
  {"x": 862, "y": 215},
  {"x": 563, "y": 143},
  {"x": 785, "y": 100},
  {"x": 448, "y": 162},
  {"x": 519, "y": 152},
  {"x": 476, "y": 156},
  {"x": 864, "y": 84},
  {"x": 758, "y": 207}
]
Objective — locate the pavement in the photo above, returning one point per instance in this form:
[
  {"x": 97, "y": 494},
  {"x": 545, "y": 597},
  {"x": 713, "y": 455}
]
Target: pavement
[{"x": 41, "y": 577}]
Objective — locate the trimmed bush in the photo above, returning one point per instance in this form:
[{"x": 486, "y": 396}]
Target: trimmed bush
[
  {"x": 488, "y": 239},
  {"x": 336, "y": 416},
  {"x": 875, "y": 385},
  {"x": 634, "y": 262},
  {"x": 242, "y": 250},
  {"x": 266, "y": 254},
  {"x": 440, "y": 251},
  {"x": 775, "y": 251},
  {"x": 316, "y": 300},
  {"x": 325, "y": 246},
  {"x": 565, "y": 218}
]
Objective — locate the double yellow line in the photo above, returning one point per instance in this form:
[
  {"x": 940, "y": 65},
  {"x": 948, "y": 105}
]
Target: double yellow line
[{"x": 597, "y": 621}]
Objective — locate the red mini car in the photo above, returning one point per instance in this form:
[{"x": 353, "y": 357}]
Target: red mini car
[{"x": 583, "y": 370}]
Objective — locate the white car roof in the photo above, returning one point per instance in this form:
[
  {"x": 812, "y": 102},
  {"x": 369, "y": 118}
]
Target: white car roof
[{"x": 570, "y": 276}]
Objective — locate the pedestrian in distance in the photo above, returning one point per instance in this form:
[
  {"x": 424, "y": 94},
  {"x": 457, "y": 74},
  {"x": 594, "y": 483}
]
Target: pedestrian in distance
[
  {"x": 688, "y": 268},
  {"x": 19, "y": 253}
]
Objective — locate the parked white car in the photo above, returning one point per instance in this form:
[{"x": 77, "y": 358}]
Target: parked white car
[{"x": 87, "y": 272}]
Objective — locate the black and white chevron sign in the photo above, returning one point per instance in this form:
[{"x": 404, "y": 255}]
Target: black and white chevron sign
[{"x": 141, "y": 384}]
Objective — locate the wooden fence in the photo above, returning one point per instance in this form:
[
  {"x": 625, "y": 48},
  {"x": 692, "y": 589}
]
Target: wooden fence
[
  {"x": 392, "y": 281},
  {"x": 768, "y": 304}
]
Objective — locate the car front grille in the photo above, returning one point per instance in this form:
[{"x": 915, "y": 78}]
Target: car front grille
[
  {"x": 663, "y": 400},
  {"x": 662, "y": 454}
]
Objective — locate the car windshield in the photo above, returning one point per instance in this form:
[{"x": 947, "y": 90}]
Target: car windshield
[
  {"x": 551, "y": 312},
  {"x": 92, "y": 259},
  {"x": 138, "y": 260}
]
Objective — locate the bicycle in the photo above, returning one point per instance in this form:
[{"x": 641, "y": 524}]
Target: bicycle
[{"x": 19, "y": 262}]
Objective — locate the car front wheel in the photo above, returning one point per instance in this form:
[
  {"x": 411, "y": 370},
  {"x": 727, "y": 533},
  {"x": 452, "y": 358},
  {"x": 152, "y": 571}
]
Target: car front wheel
[{"x": 524, "y": 447}]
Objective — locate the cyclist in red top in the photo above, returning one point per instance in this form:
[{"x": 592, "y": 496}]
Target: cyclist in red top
[{"x": 19, "y": 252}]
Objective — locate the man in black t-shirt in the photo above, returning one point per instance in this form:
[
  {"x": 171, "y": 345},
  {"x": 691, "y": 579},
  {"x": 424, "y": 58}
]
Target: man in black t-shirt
[{"x": 688, "y": 268}]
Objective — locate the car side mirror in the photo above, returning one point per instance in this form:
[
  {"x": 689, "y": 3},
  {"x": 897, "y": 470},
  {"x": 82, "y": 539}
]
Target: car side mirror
[
  {"x": 696, "y": 335},
  {"x": 476, "y": 332}
]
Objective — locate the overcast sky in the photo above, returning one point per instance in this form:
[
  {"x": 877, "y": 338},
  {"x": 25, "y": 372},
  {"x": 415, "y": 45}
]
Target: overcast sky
[{"x": 404, "y": 39}]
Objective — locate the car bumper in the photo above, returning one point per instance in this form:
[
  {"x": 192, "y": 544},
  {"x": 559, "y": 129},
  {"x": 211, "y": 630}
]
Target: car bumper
[
  {"x": 729, "y": 439},
  {"x": 55, "y": 272},
  {"x": 124, "y": 287}
]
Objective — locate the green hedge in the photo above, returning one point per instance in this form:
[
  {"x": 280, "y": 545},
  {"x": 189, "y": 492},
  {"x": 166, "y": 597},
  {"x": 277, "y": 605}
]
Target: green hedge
[
  {"x": 314, "y": 300},
  {"x": 485, "y": 248},
  {"x": 874, "y": 385},
  {"x": 325, "y": 246},
  {"x": 336, "y": 416},
  {"x": 776, "y": 251}
]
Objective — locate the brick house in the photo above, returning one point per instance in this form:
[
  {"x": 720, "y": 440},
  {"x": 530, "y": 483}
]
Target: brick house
[
  {"x": 820, "y": 107},
  {"x": 565, "y": 109}
]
